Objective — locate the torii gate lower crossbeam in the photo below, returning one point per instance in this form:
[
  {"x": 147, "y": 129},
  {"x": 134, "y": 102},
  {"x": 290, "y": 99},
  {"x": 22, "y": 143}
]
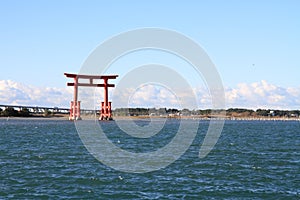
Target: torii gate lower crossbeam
[{"x": 106, "y": 113}]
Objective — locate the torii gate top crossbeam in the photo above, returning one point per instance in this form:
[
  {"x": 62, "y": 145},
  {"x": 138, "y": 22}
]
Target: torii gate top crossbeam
[
  {"x": 91, "y": 78},
  {"x": 83, "y": 76}
]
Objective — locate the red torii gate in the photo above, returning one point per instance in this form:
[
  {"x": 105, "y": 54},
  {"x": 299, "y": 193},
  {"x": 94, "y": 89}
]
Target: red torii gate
[{"x": 106, "y": 113}]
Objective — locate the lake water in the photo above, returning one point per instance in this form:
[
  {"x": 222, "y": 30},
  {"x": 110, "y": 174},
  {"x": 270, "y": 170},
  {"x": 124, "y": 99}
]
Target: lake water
[{"x": 41, "y": 159}]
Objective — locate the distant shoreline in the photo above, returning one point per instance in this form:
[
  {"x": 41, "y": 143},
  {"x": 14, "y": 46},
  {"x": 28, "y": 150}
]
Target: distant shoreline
[
  {"x": 200, "y": 118},
  {"x": 210, "y": 118},
  {"x": 15, "y": 112},
  {"x": 35, "y": 118}
]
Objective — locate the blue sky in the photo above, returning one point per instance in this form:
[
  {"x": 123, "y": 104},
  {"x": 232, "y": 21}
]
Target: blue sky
[{"x": 249, "y": 41}]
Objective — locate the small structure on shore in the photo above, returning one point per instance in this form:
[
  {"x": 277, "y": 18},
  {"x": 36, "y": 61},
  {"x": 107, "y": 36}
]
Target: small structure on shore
[{"x": 105, "y": 113}]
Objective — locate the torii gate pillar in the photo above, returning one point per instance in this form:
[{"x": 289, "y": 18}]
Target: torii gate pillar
[
  {"x": 105, "y": 113},
  {"x": 75, "y": 104}
]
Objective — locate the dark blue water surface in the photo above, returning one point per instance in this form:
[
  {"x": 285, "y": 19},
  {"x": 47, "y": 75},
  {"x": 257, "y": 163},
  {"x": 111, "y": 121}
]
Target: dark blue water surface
[{"x": 42, "y": 159}]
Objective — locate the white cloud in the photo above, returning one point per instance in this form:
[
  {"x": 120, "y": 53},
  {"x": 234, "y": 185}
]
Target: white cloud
[
  {"x": 14, "y": 93},
  {"x": 152, "y": 96},
  {"x": 255, "y": 95},
  {"x": 263, "y": 95}
]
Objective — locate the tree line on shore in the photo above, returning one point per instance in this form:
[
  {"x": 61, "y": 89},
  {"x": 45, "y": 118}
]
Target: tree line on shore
[
  {"x": 231, "y": 112},
  {"x": 24, "y": 112}
]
